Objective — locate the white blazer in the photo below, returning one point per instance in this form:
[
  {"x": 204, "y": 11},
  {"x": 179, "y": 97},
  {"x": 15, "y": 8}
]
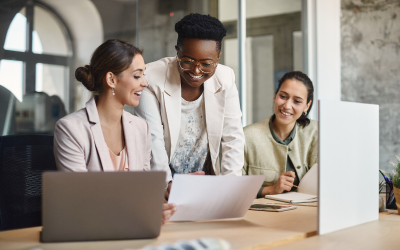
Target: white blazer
[
  {"x": 79, "y": 144},
  {"x": 160, "y": 106}
]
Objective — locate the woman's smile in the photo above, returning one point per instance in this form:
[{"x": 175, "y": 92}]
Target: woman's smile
[{"x": 195, "y": 77}]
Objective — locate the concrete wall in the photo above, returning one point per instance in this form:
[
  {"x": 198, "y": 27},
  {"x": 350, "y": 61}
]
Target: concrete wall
[{"x": 370, "y": 31}]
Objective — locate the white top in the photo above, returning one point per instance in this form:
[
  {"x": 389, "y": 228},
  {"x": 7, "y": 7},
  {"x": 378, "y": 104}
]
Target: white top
[
  {"x": 160, "y": 105},
  {"x": 192, "y": 146}
]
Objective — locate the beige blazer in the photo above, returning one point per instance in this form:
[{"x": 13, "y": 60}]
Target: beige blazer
[
  {"x": 264, "y": 156},
  {"x": 160, "y": 106},
  {"x": 79, "y": 143}
]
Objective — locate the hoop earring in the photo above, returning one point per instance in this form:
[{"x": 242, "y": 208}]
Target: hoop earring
[{"x": 112, "y": 89}]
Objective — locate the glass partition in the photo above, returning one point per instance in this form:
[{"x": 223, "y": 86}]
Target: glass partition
[{"x": 273, "y": 48}]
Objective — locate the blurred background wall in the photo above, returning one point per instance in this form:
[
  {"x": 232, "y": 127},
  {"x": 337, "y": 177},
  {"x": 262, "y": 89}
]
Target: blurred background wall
[{"x": 38, "y": 61}]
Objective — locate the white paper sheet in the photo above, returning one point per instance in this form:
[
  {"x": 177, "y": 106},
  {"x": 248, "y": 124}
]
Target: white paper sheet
[
  {"x": 309, "y": 182},
  {"x": 206, "y": 197}
]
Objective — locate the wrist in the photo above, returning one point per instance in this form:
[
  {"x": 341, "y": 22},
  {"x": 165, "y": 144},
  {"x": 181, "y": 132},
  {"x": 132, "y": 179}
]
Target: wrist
[{"x": 268, "y": 190}]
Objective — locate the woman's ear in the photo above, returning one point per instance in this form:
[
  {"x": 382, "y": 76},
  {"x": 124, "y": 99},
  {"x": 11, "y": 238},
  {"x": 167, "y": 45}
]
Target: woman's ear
[
  {"x": 176, "y": 48},
  {"x": 110, "y": 79},
  {"x": 308, "y": 106},
  {"x": 273, "y": 100}
]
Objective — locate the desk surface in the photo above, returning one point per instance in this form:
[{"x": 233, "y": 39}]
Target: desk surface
[
  {"x": 257, "y": 230},
  {"x": 379, "y": 234}
]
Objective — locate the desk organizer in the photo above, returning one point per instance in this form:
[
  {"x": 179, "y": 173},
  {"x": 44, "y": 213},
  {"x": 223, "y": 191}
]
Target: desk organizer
[{"x": 390, "y": 199}]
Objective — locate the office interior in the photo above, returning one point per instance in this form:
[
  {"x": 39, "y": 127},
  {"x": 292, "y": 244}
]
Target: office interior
[{"x": 44, "y": 41}]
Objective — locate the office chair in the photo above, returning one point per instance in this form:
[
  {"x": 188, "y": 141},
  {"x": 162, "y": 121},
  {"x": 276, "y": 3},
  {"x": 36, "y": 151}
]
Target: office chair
[{"x": 23, "y": 158}]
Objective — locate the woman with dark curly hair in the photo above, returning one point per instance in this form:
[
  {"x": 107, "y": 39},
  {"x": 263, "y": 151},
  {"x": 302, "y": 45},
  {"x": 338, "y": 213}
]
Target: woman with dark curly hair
[
  {"x": 192, "y": 104},
  {"x": 284, "y": 146}
]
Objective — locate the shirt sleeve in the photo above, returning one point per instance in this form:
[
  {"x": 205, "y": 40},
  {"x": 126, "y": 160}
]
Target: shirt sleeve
[
  {"x": 149, "y": 110},
  {"x": 232, "y": 140}
]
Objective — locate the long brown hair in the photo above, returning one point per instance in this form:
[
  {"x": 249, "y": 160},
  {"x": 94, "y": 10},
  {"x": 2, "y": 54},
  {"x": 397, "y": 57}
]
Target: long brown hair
[{"x": 112, "y": 56}]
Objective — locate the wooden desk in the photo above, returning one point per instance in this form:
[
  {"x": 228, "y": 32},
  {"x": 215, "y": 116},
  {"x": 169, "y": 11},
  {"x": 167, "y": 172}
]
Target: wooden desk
[
  {"x": 380, "y": 234},
  {"x": 257, "y": 230}
]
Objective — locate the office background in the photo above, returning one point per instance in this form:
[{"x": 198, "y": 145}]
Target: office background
[{"x": 44, "y": 41}]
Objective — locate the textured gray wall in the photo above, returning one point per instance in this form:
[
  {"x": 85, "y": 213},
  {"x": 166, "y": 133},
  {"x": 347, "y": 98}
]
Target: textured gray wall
[{"x": 371, "y": 65}]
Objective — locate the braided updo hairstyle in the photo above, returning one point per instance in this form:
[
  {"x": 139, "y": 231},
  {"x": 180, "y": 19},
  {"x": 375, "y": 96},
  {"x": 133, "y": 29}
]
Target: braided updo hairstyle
[
  {"x": 200, "y": 26},
  {"x": 112, "y": 56},
  {"x": 300, "y": 76}
]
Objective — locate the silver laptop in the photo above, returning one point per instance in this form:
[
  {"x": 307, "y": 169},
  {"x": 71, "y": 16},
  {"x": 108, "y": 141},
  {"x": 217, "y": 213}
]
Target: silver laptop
[{"x": 101, "y": 205}]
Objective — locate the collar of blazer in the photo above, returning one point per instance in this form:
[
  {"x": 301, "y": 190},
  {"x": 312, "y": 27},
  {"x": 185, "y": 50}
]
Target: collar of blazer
[
  {"x": 292, "y": 144},
  {"x": 101, "y": 146},
  {"x": 214, "y": 107}
]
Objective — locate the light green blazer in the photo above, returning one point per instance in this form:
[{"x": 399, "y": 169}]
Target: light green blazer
[{"x": 264, "y": 156}]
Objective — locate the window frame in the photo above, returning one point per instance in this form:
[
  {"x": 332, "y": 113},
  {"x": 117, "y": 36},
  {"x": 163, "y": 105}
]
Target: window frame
[{"x": 30, "y": 59}]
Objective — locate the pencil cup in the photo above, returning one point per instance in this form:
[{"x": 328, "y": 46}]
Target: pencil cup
[
  {"x": 397, "y": 198},
  {"x": 390, "y": 198}
]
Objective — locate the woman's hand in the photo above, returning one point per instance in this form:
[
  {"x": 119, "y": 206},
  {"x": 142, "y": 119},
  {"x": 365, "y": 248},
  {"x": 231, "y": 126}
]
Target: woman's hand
[
  {"x": 168, "y": 210},
  {"x": 284, "y": 183}
]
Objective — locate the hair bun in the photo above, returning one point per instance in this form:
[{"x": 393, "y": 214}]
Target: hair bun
[{"x": 85, "y": 76}]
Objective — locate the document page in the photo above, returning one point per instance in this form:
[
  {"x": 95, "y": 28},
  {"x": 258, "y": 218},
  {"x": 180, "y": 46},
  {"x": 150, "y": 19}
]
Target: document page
[
  {"x": 207, "y": 197},
  {"x": 309, "y": 182}
]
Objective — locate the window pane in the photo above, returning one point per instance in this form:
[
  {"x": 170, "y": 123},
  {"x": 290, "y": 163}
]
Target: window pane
[
  {"x": 48, "y": 35},
  {"x": 297, "y": 50},
  {"x": 11, "y": 76},
  {"x": 16, "y": 34},
  {"x": 38, "y": 113},
  {"x": 51, "y": 80},
  {"x": 231, "y": 59}
]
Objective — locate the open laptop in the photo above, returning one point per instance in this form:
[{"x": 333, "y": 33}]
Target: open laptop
[{"x": 101, "y": 205}]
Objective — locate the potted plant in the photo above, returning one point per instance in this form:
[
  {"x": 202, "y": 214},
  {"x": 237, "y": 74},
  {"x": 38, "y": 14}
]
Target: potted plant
[{"x": 395, "y": 176}]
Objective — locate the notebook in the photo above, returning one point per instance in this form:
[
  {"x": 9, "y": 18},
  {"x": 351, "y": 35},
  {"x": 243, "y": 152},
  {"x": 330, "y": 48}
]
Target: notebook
[
  {"x": 102, "y": 205},
  {"x": 306, "y": 192}
]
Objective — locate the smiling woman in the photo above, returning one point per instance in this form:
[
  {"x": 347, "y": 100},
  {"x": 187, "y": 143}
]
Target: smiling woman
[
  {"x": 192, "y": 104},
  {"x": 284, "y": 146},
  {"x": 102, "y": 136}
]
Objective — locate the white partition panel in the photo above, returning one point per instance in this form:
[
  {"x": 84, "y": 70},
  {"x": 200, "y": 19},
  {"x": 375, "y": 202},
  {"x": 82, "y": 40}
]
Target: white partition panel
[{"x": 349, "y": 163}]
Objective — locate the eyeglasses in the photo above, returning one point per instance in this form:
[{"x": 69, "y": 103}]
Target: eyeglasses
[{"x": 205, "y": 66}]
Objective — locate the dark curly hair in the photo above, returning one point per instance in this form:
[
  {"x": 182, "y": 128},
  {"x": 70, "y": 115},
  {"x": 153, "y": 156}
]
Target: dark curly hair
[
  {"x": 300, "y": 76},
  {"x": 200, "y": 26}
]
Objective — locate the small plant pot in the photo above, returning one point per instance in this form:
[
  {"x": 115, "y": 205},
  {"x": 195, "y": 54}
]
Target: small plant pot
[{"x": 397, "y": 197}]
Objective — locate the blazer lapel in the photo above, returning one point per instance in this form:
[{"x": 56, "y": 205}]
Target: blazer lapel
[
  {"x": 101, "y": 146},
  {"x": 214, "y": 108},
  {"x": 130, "y": 141},
  {"x": 172, "y": 97}
]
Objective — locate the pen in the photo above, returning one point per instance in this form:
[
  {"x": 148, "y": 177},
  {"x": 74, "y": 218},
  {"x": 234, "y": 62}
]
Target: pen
[{"x": 380, "y": 171}]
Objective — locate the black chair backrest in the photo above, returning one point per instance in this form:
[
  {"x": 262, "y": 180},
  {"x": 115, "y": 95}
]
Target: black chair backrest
[{"x": 23, "y": 159}]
